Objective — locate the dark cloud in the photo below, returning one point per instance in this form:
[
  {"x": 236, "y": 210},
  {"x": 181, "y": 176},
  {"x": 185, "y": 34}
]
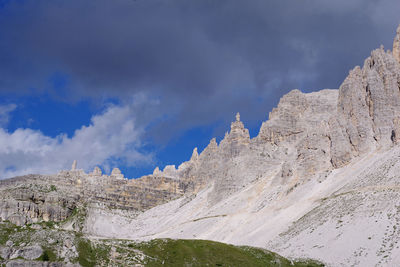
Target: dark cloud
[{"x": 203, "y": 60}]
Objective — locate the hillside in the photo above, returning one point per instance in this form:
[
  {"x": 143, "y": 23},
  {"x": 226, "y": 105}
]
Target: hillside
[
  {"x": 320, "y": 180},
  {"x": 47, "y": 245}
]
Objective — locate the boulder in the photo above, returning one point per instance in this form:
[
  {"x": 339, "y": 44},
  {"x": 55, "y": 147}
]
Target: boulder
[{"x": 31, "y": 252}]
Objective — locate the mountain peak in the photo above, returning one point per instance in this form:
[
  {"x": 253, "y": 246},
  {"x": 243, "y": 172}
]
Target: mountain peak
[{"x": 238, "y": 132}]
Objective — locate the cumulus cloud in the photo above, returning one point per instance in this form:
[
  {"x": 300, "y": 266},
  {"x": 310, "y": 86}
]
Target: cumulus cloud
[
  {"x": 111, "y": 138},
  {"x": 5, "y": 111}
]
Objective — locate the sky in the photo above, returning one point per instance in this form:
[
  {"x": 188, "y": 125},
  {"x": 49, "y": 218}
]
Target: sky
[{"x": 137, "y": 84}]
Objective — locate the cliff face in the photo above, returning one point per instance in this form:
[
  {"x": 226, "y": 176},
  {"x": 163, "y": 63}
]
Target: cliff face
[
  {"x": 322, "y": 170},
  {"x": 307, "y": 135},
  {"x": 36, "y": 198},
  {"x": 396, "y": 45},
  {"x": 369, "y": 105},
  {"x": 313, "y": 146}
]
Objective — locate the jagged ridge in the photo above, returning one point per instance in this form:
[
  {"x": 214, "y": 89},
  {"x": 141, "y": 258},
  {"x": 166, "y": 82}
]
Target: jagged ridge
[{"x": 244, "y": 190}]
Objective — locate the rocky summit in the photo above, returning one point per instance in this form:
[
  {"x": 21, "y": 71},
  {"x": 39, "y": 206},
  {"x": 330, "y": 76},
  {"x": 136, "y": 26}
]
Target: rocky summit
[{"x": 321, "y": 180}]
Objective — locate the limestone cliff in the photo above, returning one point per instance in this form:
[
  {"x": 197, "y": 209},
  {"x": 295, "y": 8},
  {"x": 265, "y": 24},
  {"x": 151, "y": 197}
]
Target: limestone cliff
[
  {"x": 323, "y": 170},
  {"x": 310, "y": 159},
  {"x": 306, "y": 137},
  {"x": 396, "y": 45},
  {"x": 35, "y": 198}
]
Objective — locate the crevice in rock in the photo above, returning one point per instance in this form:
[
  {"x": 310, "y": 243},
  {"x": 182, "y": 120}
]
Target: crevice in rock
[
  {"x": 393, "y": 136},
  {"x": 369, "y": 102},
  {"x": 351, "y": 142}
]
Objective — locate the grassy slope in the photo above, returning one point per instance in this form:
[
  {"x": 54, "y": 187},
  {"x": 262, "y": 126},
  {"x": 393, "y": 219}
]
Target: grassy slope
[
  {"x": 159, "y": 252},
  {"x": 208, "y": 253}
]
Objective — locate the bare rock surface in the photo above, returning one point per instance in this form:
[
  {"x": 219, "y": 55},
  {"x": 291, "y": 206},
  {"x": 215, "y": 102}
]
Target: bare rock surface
[
  {"x": 23, "y": 263},
  {"x": 396, "y": 45},
  {"x": 323, "y": 170}
]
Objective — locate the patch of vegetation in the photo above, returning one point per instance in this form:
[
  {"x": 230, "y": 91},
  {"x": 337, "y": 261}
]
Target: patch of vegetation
[
  {"x": 17, "y": 234},
  {"x": 158, "y": 252},
  {"x": 307, "y": 263},
  {"x": 49, "y": 224},
  {"x": 6, "y": 230},
  {"x": 90, "y": 255},
  {"x": 86, "y": 253},
  {"x": 48, "y": 255},
  {"x": 77, "y": 217},
  {"x": 167, "y": 252},
  {"x": 53, "y": 188}
]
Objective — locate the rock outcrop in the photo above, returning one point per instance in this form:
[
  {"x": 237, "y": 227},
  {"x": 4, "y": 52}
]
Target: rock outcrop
[
  {"x": 306, "y": 137},
  {"x": 116, "y": 172},
  {"x": 396, "y": 45},
  {"x": 96, "y": 171},
  {"x": 74, "y": 165},
  {"x": 36, "y": 198},
  {"x": 305, "y": 153}
]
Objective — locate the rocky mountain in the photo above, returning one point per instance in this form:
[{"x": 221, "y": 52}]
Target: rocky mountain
[{"x": 320, "y": 180}]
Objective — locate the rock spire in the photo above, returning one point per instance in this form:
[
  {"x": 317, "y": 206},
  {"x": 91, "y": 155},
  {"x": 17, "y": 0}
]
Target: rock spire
[
  {"x": 74, "y": 164},
  {"x": 195, "y": 155},
  {"x": 396, "y": 45},
  {"x": 96, "y": 171},
  {"x": 157, "y": 171},
  {"x": 116, "y": 172},
  {"x": 238, "y": 131}
]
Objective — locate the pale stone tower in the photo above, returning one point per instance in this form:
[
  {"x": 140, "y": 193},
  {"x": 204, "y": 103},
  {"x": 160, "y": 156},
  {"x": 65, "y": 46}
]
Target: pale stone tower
[
  {"x": 74, "y": 164},
  {"x": 238, "y": 116},
  {"x": 96, "y": 171},
  {"x": 396, "y": 45}
]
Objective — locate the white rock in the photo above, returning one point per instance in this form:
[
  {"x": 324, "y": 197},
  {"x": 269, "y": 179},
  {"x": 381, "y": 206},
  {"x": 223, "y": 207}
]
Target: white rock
[
  {"x": 116, "y": 172},
  {"x": 321, "y": 179},
  {"x": 96, "y": 171},
  {"x": 74, "y": 165},
  {"x": 396, "y": 45}
]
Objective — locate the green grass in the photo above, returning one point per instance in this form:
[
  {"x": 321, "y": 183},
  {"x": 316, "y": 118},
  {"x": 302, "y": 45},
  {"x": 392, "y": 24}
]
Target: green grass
[
  {"x": 158, "y": 252},
  {"x": 90, "y": 255},
  {"x": 48, "y": 255},
  {"x": 86, "y": 253},
  {"x": 4, "y": 235},
  {"x": 167, "y": 252},
  {"x": 6, "y": 230},
  {"x": 49, "y": 224}
]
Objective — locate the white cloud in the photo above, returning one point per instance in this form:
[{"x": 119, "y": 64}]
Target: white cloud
[
  {"x": 111, "y": 136},
  {"x": 5, "y": 112}
]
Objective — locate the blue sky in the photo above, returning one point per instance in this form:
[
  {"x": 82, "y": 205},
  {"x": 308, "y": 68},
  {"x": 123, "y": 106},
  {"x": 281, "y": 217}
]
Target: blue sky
[{"x": 139, "y": 84}]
